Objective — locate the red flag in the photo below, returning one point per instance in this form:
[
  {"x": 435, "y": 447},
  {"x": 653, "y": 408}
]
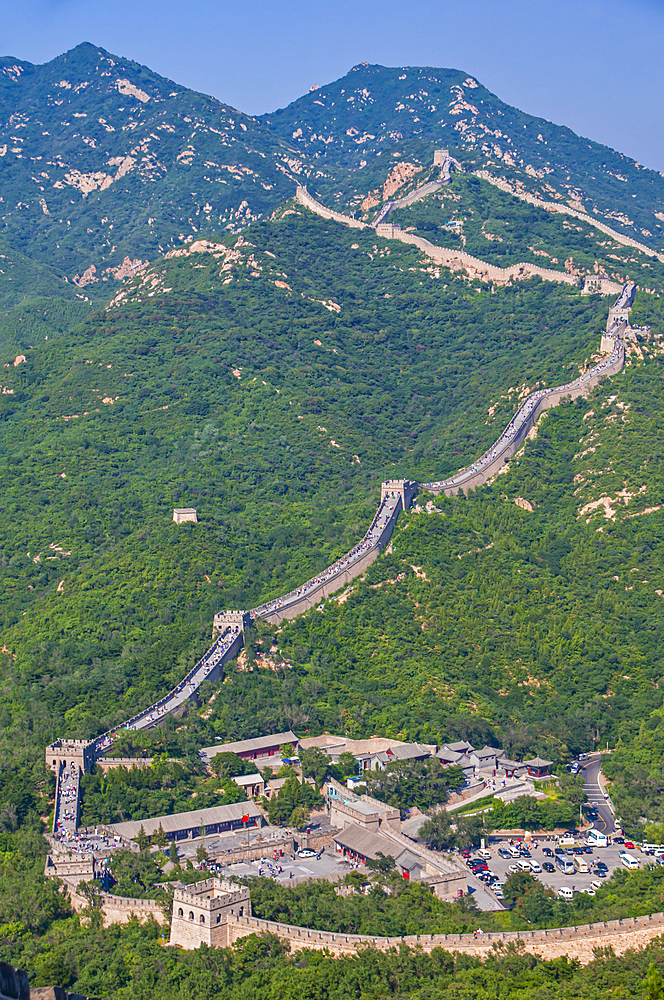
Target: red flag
[{"x": 245, "y": 819}]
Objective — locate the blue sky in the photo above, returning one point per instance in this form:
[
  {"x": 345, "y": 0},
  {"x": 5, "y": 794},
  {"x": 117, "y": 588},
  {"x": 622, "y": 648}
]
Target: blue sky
[{"x": 596, "y": 67}]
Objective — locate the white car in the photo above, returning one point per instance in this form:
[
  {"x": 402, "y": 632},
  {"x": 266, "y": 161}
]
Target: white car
[
  {"x": 306, "y": 852},
  {"x": 565, "y": 893},
  {"x": 535, "y": 867},
  {"x": 596, "y": 885},
  {"x": 484, "y": 854},
  {"x": 588, "y": 891},
  {"x": 514, "y": 868}
]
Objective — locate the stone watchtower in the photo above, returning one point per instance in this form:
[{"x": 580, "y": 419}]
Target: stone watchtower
[
  {"x": 403, "y": 487},
  {"x": 239, "y": 620},
  {"x": 70, "y": 753},
  {"x": 201, "y": 912}
]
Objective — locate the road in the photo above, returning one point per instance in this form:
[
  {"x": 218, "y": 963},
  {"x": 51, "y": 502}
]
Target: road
[{"x": 590, "y": 771}]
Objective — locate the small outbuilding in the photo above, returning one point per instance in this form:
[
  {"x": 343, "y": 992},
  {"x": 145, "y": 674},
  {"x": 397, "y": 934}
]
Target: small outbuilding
[{"x": 183, "y": 514}]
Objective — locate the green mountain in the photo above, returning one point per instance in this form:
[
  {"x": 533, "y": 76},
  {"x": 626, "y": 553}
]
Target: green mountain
[
  {"x": 269, "y": 368},
  {"x": 105, "y": 165},
  {"x": 378, "y": 126}
]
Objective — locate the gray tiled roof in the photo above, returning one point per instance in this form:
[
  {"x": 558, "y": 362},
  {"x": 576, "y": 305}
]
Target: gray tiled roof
[{"x": 188, "y": 820}]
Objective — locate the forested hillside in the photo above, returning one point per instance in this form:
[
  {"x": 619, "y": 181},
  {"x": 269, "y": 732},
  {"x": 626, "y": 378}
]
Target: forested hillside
[
  {"x": 273, "y": 395},
  {"x": 176, "y": 331}
]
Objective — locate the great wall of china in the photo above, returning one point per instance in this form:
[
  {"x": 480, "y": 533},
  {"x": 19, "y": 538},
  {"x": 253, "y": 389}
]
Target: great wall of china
[
  {"x": 67, "y": 758},
  {"x": 219, "y": 914},
  {"x": 191, "y": 923}
]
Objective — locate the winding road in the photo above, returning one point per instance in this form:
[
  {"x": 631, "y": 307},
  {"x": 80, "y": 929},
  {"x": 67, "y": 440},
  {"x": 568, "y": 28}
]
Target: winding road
[{"x": 590, "y": 770}]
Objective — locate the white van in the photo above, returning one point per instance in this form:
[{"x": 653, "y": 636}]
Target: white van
[
  {"x": 535, "y": 866},
  {"x": 565, "y": 893},
  {"x": 596, "y": 839},
  {"x": 628, "y": 860},
  {"x": 524, "y": 865}
]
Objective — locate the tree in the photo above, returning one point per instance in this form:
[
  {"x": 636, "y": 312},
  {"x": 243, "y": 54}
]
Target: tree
[
  {"x": 470, "y": 830},
  {"x": 142, "y": 839},
  {"x": 173, "y": 854},
  {"x": 91, "y": 892},
  {"x": 287, "y": 751},
  {"x": 347, "y": 764},
  {"x": 159, "y": 837},
  {"x": 383, "y": 866},
  {"x": 315, "y": 764},
  {"x": 654, "y": 983},
  {"x": 299, "y": 817},
  {"x": 437, "y": 831},
  {"x": 201, "y": 854},
  {"x": 228, "y": 765},
  {"x": 533, "y": 902}
]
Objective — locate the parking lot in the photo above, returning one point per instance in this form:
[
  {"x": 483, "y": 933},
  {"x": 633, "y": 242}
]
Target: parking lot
[
  {"x": 502, "y": 867},
  {"x": 289, "y": 869}
]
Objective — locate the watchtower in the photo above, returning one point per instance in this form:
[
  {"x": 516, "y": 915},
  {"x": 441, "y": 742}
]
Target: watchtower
[
  {"x": 200, "y": 912},
  {"x": 439, "y": 157},
  {"x": 71, "y": 753},
  {"x": 403, "y": 487},
  {"x": 237, "y": 620},
  {"x": 181, "y": 515}
]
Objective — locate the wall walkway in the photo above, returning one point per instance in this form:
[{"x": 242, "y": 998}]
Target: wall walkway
[{"x": 574, "y": 942}]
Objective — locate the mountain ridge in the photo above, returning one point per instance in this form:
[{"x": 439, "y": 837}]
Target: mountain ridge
[{"x": 105, "y": 164}]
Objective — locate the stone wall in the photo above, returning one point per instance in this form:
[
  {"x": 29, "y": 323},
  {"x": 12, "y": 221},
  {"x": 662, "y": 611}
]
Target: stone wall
[
  {"x": 303, "y": 196},
  {"x": 108, "y": 763},
  {"x": 546, "y": 402},
  {"x": 573, "y": 942},
  {"x": 326, "y": 588},
  {"x": 121, "y": 909}
]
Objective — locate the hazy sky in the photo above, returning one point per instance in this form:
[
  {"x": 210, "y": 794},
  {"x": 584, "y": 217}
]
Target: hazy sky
[{"x": 597, "y": 67}]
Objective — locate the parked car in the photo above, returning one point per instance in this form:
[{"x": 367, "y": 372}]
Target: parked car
[
  {"x": 618, "y": 840},
  {"x": 465, "y": 854},
  {"x": 601, "y": 866},
  {"x": 547, "y": 852},
  {"x": 525, "y": 853},
  {"x": 548, "y": 867},
  {"x": 306, "y": 852},
  {"x": 504, "y": 853},
  {"x": 566, "y": 893},
  {"x": 587, "y": 850},
  {"x": 514, "y": 868},
  {"x": 596, "y": 885},
  {"x": 486, "y": 855},
  {"x": 629, "y": 844},
  {"x": 535, "y": 867}
]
